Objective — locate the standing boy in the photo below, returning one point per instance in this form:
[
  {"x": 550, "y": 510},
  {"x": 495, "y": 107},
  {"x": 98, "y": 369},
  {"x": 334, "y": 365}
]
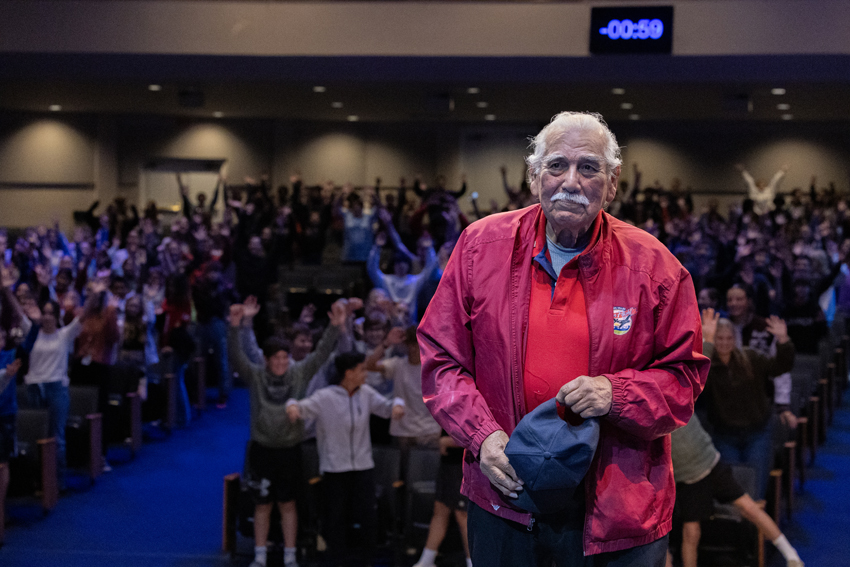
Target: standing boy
[{"x": 274, "y": 455}]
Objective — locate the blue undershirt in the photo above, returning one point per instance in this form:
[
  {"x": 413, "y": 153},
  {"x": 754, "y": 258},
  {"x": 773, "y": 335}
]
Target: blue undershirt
[{"x": 560, "y": 255}]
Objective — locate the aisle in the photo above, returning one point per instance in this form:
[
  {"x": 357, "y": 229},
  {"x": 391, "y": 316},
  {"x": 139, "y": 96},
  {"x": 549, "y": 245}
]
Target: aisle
[
  {"x": 162, "y": 509},
  {"x": 819, "y": 529}
]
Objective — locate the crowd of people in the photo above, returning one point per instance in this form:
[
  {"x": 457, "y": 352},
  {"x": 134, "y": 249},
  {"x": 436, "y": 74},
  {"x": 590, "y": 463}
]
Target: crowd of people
[{"x": 126, "y": 285}]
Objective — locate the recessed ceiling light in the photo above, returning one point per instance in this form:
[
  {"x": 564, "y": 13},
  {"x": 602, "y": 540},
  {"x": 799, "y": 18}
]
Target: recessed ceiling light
[
  {"x": 618, "y": 91},
  {"x": 634, "y": 116},
  {"x": 473, "y": 90},
  {"x": 155, "y": 88},
  {"x": 54, "y": 108},
  {"x": 218, "y": 114},
  {"x": 787, "y": 117},
  {"x": 627, "y": 106},
  {"x": 777, "y": 92},
  {"x": 353, "y": 118},
  {"x": 482, "y": 104},
  {"x": 783, "y": 106},
  {"x": 490, "y": 117},
  {"x": 319, "y": 89},
  {"x": 336, "y": 104}
]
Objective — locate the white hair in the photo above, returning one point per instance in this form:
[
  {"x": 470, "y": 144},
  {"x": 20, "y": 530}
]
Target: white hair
[{"x": 563, "y": 122}]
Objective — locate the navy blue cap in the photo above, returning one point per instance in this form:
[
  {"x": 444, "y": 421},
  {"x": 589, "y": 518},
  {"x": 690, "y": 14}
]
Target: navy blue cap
[{"x": 551, "y": 456}]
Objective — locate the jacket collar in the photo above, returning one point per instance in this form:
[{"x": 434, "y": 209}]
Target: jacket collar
[
  {"x": 541, "y": 243},
  {"x": 590, "y": 261}
]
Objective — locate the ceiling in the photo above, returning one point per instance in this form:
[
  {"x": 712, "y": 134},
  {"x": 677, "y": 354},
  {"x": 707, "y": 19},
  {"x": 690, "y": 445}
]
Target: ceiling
[{"x": 383, "y": 89}]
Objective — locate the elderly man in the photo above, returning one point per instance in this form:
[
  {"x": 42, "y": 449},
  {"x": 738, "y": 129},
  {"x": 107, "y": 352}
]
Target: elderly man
[{"x": 562, "y": 300}]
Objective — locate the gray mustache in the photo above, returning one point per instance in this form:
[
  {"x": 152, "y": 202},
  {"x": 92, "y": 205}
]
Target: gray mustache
[{"x": 570, "y": 197}]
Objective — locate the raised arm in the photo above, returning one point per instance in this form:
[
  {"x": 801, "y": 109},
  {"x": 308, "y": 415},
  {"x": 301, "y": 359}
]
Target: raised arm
[
  {"x": 633, "y": 186},
  {"x": 401, "y": 199},
  {"x": 7, "y": 281},
  {"x": 777, "y": 178},
  {"x": 459, "y": 193},
  {"x": 338, "y": 316},
  {"x": 509, "y": 191},
  {"x": 392, "y": 233},
  {"x": 432, "y": 262},
  {"x": 373, "y": 361},
  {"x": 373, "y": 265},
  {"x": 218, "y": 185},
  {"x": 243, "y": 365},
  {"x": 748, "y": 179},
  {"x": 252, "y": 350},
  {"x": 784, "y": 359},
  {"x": 184, "y": 196}
]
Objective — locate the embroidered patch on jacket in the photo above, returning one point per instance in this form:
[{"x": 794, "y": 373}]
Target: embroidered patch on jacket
[{"x": 623, "y": 319}]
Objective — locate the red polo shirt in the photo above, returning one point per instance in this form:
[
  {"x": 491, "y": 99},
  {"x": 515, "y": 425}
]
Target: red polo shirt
[{"x": 558, "y": 343}]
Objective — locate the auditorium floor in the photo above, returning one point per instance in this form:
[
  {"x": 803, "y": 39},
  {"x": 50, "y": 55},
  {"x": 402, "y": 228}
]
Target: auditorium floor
[{"x": 164, "y": 508}]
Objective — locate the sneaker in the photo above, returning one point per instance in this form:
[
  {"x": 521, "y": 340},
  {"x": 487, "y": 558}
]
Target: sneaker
[
  {"x": 106, "y": 466},
  {"x": 795, "y": 563},
  {"x": 257, "y": 564},
  {"x": 292, "y": 563}
]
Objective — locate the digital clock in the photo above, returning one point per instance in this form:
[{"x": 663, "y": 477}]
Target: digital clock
[
  {"x": 627, "y": 29},
  {"x": 631, "y": 30}
]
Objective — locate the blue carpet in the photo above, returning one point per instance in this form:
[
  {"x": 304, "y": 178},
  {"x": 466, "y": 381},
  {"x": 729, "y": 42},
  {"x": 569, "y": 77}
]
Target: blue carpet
[
  {"x": 819, "y": 529},
  {"x": 163, "y": 508}
]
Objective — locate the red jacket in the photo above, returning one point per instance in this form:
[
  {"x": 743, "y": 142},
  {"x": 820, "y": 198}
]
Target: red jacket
[{"x": 473, "y": 343}]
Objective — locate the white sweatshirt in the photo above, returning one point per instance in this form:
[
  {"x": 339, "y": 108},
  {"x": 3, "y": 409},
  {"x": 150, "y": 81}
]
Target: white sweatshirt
[{"x": 342, "y": 425}]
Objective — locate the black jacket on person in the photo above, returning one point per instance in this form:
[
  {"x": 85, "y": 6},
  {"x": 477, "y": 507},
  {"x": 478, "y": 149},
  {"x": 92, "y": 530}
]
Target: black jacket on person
[
  {"x": 743, "y": 401},
  {"x": 212, "y": 299}
]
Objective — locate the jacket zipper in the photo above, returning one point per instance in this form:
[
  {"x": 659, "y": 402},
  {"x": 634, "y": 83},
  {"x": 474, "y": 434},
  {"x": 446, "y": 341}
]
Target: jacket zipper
[
  {"x": 517, "y": 321},
  {"x": 530, "y": 526}
]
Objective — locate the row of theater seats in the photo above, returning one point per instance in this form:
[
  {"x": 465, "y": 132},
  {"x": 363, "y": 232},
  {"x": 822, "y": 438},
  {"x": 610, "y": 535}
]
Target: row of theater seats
[
  {"x": 818, "y": 385},
  {"x": 404, "y": 492},
  {"x": 34, "y": 471}
]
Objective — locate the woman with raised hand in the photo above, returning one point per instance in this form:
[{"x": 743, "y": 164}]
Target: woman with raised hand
[{"x": 738, "y": 393}]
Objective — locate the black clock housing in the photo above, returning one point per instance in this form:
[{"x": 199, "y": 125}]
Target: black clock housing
[{"x": 632, "y": 29}]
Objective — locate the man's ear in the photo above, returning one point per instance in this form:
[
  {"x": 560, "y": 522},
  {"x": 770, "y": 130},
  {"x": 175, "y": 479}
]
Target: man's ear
[
  {"x": 534, "y": 183},
  {"x": 611, "y": 189}
]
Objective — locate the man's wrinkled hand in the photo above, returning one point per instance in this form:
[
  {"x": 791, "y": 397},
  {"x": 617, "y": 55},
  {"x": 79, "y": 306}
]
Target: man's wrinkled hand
[
  {"x": 587, "y": 396},
  {"x": 495, "y": 464}
]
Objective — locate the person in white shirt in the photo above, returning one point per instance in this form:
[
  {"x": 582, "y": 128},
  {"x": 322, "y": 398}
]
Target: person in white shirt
[
  {"x": 417, "y": 426},
  {"x": 762, "y": 194},
  {"x": 47, "y": 378},
  {"x": 401, "y": 285},
  {"x": 342, "y": 412}
]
